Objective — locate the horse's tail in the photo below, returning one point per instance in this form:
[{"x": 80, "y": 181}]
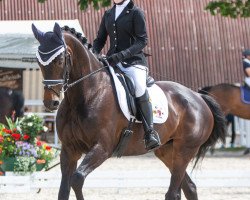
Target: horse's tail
[
  {"x": 219, "y": 129},
  {"x": 204, "y": 90}
]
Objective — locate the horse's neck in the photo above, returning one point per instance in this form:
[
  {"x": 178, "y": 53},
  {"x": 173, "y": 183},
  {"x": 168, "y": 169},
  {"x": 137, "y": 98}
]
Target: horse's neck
[{"x": 88, "y": 90}]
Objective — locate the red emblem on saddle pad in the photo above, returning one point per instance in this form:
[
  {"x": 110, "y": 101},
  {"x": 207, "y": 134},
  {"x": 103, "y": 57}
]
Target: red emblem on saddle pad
[{"x": 157, "y": 112}]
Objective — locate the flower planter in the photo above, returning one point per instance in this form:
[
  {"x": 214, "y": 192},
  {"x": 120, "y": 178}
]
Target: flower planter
[
  {"x": 18, "y": 164},
  {"x": 20, "y": 151},
  {"x": 8, "y": 164},
  {"x": 39, "y": 167}
]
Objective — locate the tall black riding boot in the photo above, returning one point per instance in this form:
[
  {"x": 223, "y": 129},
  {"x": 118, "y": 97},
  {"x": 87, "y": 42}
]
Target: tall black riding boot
[{"x": 152, "y": 139}]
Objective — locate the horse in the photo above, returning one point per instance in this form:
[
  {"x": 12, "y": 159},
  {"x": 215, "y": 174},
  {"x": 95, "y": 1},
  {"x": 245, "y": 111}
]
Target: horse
[
  {"x": 229, "y": 98},
  {"x": 89, "y": 120},
  {"x": 12, "y": 104}
]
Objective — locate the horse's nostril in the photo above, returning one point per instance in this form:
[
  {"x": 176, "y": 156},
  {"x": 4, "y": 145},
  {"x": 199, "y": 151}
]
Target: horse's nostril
[{"x": 55, "y": 103}]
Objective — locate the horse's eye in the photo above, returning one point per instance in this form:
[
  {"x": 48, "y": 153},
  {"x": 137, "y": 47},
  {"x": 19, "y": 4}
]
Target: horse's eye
[{"x": 60, "y": 61}]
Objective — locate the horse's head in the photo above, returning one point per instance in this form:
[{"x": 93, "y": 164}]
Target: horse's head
[
  {"x": 53, "y": 59},
  {"x": 65, "y": 59}
]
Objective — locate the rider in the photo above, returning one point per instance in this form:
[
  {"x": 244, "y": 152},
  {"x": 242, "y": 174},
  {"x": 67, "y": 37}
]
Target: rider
[
  {"x": 125, "y": 25},
  {"x": 246, "y": 65}
]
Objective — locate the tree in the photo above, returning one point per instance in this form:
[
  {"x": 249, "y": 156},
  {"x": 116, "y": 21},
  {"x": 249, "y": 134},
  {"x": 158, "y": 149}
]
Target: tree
[
  {"x": 230, "y": 8},
  {"x": 96, "y": 3}
]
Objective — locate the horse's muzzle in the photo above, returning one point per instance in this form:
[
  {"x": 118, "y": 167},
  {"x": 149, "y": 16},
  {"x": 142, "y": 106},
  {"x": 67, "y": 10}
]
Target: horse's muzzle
[{"x": 51, "y": 104}]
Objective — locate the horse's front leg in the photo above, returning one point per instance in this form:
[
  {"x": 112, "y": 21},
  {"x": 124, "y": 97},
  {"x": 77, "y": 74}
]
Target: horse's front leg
[
  {"x": 68, "y": 166},
  {"x": 94, "y": 158}
]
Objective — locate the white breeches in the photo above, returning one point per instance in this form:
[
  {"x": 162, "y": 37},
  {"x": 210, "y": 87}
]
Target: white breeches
[
  {"x": 247, "y": 81},
  {"x": 139, "y": 74}
]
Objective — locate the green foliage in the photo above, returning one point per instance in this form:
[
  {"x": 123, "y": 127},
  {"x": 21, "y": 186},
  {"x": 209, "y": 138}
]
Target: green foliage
[
  {"x": 13, "y": 124},
  {"x": 45, "y": 153},
  {"x": 31, "y": 125},
  {"x": 18, "y": 142},
  {"x": 7, "y": 139},
  {"x": 230, "y": 8},
  {"x": 96, "y": 3},
  {"x": 23, "y": 165}
]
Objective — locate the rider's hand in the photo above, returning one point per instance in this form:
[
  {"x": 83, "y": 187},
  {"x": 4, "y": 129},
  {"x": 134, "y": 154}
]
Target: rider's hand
[{"x": 114, "y": 59}]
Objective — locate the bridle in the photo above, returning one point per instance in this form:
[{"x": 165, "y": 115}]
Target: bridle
[{"x": 50, "y": 84}]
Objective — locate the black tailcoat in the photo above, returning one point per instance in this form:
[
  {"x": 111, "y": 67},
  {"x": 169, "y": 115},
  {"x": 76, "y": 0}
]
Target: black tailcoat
[{"x": 127, "y": 32}]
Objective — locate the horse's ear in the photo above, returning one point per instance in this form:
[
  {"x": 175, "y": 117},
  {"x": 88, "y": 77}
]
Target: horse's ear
[
  {"x": 36, "y": 32},
  {"x": 57, "y": 30}
]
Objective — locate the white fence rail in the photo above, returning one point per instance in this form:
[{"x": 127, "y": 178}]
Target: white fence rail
[{"x": 123, "y": 179}]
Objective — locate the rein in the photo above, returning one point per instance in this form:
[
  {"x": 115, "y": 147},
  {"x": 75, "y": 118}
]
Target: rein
[{"x": 83, "y": 78}]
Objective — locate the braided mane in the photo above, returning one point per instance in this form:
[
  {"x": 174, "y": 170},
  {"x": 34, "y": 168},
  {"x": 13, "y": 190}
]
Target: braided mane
[{"x": 78, "y": 35}]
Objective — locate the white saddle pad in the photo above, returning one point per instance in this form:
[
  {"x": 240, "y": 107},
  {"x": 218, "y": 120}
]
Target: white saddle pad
[{"x": 158, "y": 99}]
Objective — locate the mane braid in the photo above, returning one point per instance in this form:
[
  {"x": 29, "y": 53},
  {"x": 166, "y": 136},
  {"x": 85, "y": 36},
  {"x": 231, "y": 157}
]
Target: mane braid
[{"x": 78, "y": 35}]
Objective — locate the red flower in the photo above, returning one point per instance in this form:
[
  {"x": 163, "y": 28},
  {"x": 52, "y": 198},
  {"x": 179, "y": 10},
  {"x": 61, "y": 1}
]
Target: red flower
[
  {"x": 7, "y": 131},
  {"x": 26, "y": 137},
  {"x": 16, "y": 136},
  {"x": 1, "y": 173},
  {"x": 1, "y": 139},
  {"x": 48, "y": 147},
  {"x": 38, "y": 143}
]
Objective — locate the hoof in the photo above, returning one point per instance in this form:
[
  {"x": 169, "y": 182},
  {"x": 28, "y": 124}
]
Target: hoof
[
  {"x": 173, "y": 197},
  {"x": 247, "y": 151}
]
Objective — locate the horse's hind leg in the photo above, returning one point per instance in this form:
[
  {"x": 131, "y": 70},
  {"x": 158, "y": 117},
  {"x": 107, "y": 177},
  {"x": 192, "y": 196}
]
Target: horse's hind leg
[
  {"x": 181, "y": 158},
  {"x": 165, "y": 154},
  {"x": 93, "y": 159},
  {"x": 68, "y": 166}
]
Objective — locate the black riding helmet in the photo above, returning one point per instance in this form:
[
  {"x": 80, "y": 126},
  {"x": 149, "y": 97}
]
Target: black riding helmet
[{"x": 246, "y": 52}]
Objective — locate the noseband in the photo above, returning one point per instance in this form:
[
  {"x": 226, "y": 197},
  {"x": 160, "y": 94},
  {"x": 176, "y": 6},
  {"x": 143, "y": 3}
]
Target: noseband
[{"x": 49, "y": 84}]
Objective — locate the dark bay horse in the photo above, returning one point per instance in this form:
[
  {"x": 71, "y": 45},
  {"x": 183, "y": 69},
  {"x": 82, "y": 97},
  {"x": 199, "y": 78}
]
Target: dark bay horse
[
  {"x": 10, "y": 101},
  {"x": 89, "y": 120}
]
